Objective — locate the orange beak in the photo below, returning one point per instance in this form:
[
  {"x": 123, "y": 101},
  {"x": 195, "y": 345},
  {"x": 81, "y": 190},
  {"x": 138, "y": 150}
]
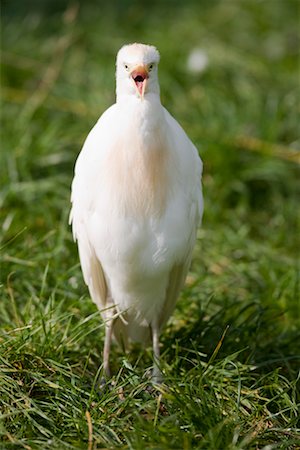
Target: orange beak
[{"x": 140, "y": 76}]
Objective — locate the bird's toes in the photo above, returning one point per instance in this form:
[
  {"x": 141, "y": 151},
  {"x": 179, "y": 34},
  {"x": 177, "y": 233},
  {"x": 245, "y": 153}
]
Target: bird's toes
[{"x": 105, "y": 385}]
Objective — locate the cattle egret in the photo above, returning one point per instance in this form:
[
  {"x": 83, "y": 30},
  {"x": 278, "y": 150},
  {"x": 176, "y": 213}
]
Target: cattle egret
[{"x": 136, "y": 205}]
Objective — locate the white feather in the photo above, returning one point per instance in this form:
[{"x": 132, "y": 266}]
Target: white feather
[{"x": 136, "y": 204}]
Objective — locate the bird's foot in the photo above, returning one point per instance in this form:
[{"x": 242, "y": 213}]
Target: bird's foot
[
  {"x": 157, "y": 376},
  {"x": 104, "y": 385}
]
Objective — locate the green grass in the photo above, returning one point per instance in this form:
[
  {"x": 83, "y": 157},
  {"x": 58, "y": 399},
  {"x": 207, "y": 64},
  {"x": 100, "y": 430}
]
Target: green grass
[{"x": 230, "y": 353}]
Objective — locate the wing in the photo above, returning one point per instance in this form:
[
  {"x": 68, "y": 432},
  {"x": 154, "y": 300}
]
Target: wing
[
  {"x": 177, "y": 278},
  {"x": 191, "y": 164},
  {"x": 84, "y": 189},
  {"x": 91, "y": 268}
]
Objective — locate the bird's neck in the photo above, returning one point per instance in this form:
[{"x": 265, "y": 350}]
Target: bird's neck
[
  {"x": 138, "y": 165},
  {"x": 133, "y": 100},
  {"x": 142, "y": 114}
]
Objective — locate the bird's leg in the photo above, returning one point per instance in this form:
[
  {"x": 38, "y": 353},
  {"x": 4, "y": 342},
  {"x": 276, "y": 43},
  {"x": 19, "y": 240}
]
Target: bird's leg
[
  {"x": 109, "y": 318},
  {"x": 107, "y": 345},
  {"x": 156, "y": 373},
  {"x": 106, "y": 353}
]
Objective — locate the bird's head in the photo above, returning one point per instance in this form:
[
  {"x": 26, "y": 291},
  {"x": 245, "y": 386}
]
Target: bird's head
[{"x": 137, "y": 70}]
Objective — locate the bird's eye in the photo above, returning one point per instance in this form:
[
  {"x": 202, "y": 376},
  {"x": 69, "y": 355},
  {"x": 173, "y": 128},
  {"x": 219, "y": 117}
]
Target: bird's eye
[
  {"x": 126, "y": 66},
  {"x": 151, "y": 66}
]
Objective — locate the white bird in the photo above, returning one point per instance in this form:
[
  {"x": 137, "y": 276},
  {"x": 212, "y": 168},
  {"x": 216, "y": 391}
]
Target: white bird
[{"x": 136, "y": 205}]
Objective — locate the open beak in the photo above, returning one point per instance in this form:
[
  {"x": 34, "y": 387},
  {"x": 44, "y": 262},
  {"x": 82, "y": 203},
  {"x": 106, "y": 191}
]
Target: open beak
[{"x": 140, "y": 77}]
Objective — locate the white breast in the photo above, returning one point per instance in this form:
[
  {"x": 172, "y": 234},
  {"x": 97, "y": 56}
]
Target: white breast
[{"x": 137, "y": 205}]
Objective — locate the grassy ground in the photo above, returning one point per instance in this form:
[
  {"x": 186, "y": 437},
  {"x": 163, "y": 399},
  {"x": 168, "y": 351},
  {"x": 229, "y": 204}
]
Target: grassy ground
[{"x": 231, "y": 350}]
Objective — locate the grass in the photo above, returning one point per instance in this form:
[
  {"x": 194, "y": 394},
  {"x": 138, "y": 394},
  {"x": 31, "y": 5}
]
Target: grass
[{"x": 231, "y": 350}]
